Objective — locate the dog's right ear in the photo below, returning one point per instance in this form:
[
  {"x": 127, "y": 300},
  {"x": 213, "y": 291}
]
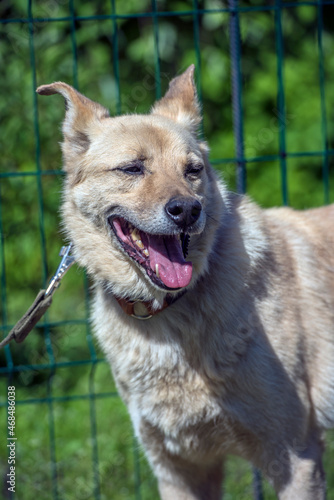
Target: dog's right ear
[
  {"x": 180, "y": 103},
  {"x": 81, "y": 115}
]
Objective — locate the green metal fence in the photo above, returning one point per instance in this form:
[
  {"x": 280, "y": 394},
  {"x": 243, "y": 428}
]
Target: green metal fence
[{"x": 74, "y": 439}]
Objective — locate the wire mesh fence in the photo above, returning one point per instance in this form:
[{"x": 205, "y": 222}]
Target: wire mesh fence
[{"x": 262, "y": 70}]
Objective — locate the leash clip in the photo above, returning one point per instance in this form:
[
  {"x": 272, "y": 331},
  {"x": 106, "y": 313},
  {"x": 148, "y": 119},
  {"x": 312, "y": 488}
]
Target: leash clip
[{"x": 65, "y": 263}]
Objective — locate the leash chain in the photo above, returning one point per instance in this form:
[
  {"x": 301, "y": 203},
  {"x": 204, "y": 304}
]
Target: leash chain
[{"x": 42, "y": 302}]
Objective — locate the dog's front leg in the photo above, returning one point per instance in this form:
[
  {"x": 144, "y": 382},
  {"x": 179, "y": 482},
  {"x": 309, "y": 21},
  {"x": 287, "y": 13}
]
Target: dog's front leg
[
  {"x": 192, "y": 482},
  {"x": 299, "y": 473},
  {"x": 185, "y": 466},
  {"x": 307, "y": 481}
]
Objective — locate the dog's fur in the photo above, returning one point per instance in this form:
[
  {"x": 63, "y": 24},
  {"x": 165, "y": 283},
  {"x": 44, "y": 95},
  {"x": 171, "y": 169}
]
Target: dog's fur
[{"x": 243, "y": 363}]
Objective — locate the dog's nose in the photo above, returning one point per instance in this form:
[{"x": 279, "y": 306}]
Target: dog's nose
[{"x": 183, "y": 211}]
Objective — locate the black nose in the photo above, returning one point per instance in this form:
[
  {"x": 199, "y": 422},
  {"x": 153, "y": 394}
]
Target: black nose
[{"x": 183, "y": 211}]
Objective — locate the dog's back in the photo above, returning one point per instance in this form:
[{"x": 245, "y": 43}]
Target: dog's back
[{"x": 304, "y": 246}]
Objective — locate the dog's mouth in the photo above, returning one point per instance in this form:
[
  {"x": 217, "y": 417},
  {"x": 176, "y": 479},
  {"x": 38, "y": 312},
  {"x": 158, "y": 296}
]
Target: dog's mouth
[{"x": 162, "y": 256}]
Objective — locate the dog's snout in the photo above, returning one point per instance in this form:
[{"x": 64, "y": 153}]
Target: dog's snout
[{"x": 183, "y": 211}]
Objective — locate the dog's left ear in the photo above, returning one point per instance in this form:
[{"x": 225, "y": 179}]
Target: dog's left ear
[{"x": 180, "y": 102}]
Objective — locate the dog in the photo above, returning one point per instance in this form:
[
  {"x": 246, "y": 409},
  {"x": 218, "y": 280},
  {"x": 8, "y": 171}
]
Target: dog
[{"x": 217, "y": 316}]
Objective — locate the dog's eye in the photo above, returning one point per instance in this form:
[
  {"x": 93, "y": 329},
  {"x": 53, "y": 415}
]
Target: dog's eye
[
  {"x": 193, "y": 170},
  {"x": 133, "y": 169}
]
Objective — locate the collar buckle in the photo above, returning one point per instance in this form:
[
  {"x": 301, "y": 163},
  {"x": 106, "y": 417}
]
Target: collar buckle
[{"x": 141, "y": 311}]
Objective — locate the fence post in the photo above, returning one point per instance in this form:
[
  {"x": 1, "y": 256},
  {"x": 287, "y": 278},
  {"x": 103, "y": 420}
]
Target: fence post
[
  {"x": 235, "y": 54},
  {"x": 236, "y": 82}
]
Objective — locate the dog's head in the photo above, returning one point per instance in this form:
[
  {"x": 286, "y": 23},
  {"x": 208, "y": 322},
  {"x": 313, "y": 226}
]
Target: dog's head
[{"x": 141, "y": 202}]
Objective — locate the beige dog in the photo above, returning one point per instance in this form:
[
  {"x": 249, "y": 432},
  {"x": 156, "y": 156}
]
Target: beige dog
[{"x": 236, "y": 355}]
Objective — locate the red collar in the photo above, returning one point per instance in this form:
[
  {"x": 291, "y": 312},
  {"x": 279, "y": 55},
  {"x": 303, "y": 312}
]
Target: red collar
[{"x": 142, "y": 309}]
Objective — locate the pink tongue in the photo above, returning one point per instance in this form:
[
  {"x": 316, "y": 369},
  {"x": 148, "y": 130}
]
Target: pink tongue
[{"x": 166, "y": 252}]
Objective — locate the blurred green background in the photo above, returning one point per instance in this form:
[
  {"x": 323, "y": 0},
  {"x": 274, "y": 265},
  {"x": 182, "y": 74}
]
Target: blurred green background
[{"x": 71, "y": 425}]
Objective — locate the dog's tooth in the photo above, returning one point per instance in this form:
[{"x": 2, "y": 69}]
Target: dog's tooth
[
  {"x": 145, "y": 252},
  {"x": 140, "y": 244},
  {"x": 134, "y": 234},
  {"x": 157, "y": 270}
]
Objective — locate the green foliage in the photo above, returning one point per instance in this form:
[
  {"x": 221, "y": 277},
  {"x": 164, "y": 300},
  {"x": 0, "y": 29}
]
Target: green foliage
[{"x": 114, "y": 62}]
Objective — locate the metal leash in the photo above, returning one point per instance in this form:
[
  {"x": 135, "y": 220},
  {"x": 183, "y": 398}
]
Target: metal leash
[
  {"x": 42, "y": 302},
  {"x": 65, "y": 263}
]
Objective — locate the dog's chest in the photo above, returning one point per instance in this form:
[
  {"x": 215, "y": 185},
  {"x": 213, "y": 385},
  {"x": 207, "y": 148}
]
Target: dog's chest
[
  {"x": 166, "y": 386},
  {"x": 170, "y": 401},
  {"x": 174, "y": 406},
  {"x": 162, "y": 385},
  {"x": 179, "y": 411}
]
